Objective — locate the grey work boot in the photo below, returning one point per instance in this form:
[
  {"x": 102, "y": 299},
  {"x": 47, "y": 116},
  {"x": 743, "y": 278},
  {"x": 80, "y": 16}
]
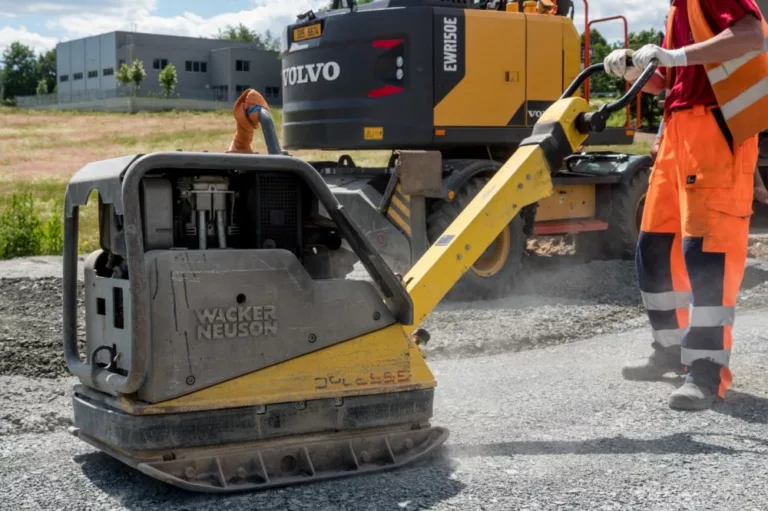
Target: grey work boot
[
  {"x": 699, "y": 391},
  {"x": 662, "y": 361}
]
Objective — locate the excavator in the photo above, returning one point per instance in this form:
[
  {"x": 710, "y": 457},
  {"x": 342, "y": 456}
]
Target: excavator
[
  {"x": 222, "y": 353},
  {"x": 449, "y": 88}
]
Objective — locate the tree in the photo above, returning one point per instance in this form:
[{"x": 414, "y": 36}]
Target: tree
[
  {"x": 19, "y": 74},
  {"x": 168, "y": 79},
  {"x": 599, "y": 49},
  {"x": 46, "y": 69},
  {"x": 42, "y": 87},
  {"x": 246, "y": 35},
  {"x": 133, "y": 74},
  {"x": 123, "y": 75},
  {"x": 137, "y": 74}
]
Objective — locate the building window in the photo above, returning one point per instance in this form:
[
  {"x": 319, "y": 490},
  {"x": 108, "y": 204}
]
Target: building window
[
  {"x": 239, "y": 89},
  {"x": 93, "y": 74},
  {"x": 159, "y": 63},
  {"x": 77, "y": 76},
  {"x": 243, "y": 65},
  {"x": 195, "y": 66},
  {"x": 64, "y": 78},
  {"x": 108, "y": 71},
  {"x": 120, "y": 63},
  {"x": 272, "y": 92}
]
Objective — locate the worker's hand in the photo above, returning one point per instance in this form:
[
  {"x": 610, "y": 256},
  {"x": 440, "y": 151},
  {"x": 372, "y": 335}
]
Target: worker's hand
[
  {"x": 616, "y": 64},
  {"x": 761, "y": 194},
  {"x": 667, "y": 58}
]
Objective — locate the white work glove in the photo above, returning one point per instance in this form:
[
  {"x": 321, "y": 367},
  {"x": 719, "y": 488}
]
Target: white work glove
[
  {"x": 666, "y": 58},
  {"x": 616, "y": 64}
]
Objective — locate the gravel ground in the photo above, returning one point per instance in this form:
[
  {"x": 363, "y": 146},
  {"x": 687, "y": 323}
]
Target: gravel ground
[
  {"x": 549, "y": 429},
  {"x": 529, "y": 387}
]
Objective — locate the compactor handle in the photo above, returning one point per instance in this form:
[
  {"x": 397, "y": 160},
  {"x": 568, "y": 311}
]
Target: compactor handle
[{"x": 596, "y": 121}]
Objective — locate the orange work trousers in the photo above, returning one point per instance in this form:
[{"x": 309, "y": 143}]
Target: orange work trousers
[{"x": 692, "y": 247}]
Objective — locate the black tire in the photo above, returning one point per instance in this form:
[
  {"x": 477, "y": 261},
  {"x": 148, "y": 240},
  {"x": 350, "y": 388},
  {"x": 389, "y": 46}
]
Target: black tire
[
  {"x": 619, "y": 241},
  {"x": 473, "y": 286}
]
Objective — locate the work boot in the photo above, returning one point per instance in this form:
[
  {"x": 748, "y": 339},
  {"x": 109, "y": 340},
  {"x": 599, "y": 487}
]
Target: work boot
[
  {"x": 699, "y": 391},
  {"x": 662, "y": 361}
]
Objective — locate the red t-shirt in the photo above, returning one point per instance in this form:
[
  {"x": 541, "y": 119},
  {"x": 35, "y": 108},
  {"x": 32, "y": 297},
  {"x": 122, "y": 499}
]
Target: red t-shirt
[{"x": 689, "y": 84}]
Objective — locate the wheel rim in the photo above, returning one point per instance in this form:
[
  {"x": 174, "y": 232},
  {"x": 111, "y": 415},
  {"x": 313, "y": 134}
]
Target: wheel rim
[
  {"x": 495, "y": 257},
  {"x": 639, "y": 214}
]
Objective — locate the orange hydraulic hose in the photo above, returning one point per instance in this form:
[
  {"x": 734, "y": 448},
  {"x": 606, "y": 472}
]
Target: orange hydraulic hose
[{"x": 246, "y": 112}]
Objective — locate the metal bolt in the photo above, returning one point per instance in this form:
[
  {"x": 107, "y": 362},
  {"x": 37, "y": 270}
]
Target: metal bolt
[
  {"x": 458, "y": 257},
  {"x": 528, "y": 177},
  {"x": 190, "y": 472},
  {"x": 365, "y": 456},
  {"x": 169, "y": 456},
  {"x": 338, "y": 401},
  {"x": 312, "y": 337},
  {"x": 514, "y": 206},
  {"x": 241, "y": 473},
  {"x": 300, "y": 405},
  {"x": 190, "y": 380},
  {"x": 520, "y": 186},
  {"x": 376, "y": 316},
  {"x": 467, "y": 247},
  {"x": 408, "y": 443}
]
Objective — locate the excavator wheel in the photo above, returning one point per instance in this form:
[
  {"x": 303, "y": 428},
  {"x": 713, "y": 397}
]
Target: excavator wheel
[
  {"x": 619, "y": 241},
  {"x": 495, "y": 272}
]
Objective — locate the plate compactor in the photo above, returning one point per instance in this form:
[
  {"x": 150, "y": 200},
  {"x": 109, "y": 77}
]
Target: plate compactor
[{"x": 221, "y": 353}]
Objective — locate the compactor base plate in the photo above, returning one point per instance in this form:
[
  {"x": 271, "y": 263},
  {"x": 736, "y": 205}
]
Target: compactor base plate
[{"x": 284, "y": 461}]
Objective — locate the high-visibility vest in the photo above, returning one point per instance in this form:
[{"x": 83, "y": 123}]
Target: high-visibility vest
[{"x": 740, "y": 85}]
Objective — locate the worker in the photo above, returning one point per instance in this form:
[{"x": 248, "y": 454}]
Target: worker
[
  {"x": 692, "y": 247},
  {"x": 761, "y": 192}
]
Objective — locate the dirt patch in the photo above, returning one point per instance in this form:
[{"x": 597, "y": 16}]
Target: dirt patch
[{"x": 31, "y": 327}]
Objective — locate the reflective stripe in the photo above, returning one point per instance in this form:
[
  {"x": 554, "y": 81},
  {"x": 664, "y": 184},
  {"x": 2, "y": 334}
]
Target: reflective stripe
[
  {"x": 688, "y": 356},
  {"x": 667, "y": 301},
  {"x": 745, "y": 99},
  {"x": 712, "y": 316},
  {"x": 669, "y": 338},
  {"x": 721, "y": 72}
]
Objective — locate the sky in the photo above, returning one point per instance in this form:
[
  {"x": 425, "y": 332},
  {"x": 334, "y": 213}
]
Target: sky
[{"x": 42, "y": 23}]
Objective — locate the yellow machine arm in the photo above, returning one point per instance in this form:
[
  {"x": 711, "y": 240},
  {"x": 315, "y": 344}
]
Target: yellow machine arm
[{"x": 524, "y": 179}]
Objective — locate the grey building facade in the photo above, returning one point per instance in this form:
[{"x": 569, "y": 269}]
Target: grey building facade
[{"x": 207, "y": 69}]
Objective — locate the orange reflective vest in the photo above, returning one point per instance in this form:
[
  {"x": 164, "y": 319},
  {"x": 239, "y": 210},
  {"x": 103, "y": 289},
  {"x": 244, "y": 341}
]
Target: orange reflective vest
[{"x": 740, "y": 85}]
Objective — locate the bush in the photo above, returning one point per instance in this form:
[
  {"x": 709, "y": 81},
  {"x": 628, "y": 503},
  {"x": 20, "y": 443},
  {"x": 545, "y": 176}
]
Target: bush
[{"x": 23, "y": 232}]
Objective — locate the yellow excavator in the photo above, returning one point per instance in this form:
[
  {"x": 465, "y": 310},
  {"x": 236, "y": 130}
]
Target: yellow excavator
[{"x": 222, "y": 354}]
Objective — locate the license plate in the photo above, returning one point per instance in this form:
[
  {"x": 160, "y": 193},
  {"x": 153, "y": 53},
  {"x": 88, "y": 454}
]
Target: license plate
[{"x": 308, "y": 32}]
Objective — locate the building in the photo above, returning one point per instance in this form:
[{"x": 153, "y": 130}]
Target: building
[{"x": 207, "y": 69}]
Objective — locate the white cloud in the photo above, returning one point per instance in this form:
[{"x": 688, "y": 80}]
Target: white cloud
[
  {"x": 38, "y": 42},
  {"x": 640, "y": 15},
  {"x": 138, "y": 16}
]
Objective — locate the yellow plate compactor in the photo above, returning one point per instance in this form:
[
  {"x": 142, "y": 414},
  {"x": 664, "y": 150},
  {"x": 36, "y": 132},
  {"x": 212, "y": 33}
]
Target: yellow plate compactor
[{"x": 220, "y": 352}]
